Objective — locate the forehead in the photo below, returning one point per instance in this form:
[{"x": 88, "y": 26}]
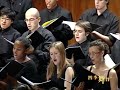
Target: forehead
[
  {"x": 93, "y": 48},
  {"x": 28, "y": 16},
  {"x": 53, "y": 49},
  {"x": 79, "y": 28},
  {"x": 18, "y": 44},
  {"x": 5, "y": 16}
]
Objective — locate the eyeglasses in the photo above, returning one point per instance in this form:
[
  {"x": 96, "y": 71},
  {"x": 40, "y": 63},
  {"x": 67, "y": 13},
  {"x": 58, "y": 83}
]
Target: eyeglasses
[{"x": 30, "y": 20}]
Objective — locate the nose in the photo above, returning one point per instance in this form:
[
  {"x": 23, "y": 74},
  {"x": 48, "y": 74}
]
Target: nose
[
  {"x": 28, "y": 22},
  {"x": 77, "y": 33}
]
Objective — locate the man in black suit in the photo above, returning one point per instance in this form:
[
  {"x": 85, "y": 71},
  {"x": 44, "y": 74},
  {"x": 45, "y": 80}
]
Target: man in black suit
[{"x": 62, "y": 32}]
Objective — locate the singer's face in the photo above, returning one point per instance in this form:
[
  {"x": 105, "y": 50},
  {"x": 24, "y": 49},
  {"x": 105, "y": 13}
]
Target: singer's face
[
  {"x": 5, "y": 22},
  {"x": 51, "y": 3},
  {"x": 32, "y": 22},
  {"x": 55, "y": 56},
  {"x": 95, "y": 54},
  {"x": 80, "y": 34},
  {"x": 100, "y": 4},
  {"x": 19, "y": 51}
]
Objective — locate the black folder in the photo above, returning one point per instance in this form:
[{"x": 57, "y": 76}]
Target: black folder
[
  {"x": 1, "y": 7},
  {"x": 49, "y": 85},
  {"x": 45, "y": 85},
  {"x": 12, "y": 68},
  {"x": 36, "y": 38},
  {"x": 76, "y": 51},
  {"x": 56, "y": 22},
  {"x": 83, "y": 75},
  {"x": 117, "y": 69}
]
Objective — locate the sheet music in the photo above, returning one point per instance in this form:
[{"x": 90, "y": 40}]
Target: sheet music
[
  {"x": 69, "y": 23},
  {"x": 33, "y": 84},
  {"x": 8, "y": 40},
  {"x": 108, "y": 61},
  {"x": 117, "y": 35}
]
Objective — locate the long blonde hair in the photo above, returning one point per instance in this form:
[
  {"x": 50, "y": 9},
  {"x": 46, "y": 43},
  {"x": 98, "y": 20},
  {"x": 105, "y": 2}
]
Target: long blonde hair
[{"x": 51, "y": 67}]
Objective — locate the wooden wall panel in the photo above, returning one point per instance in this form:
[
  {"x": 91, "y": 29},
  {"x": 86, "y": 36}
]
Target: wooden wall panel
[{"x": 77, "y": 7}]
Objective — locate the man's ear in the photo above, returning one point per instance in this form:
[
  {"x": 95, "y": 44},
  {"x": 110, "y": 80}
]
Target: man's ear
[{"x": 39, "y": 18}]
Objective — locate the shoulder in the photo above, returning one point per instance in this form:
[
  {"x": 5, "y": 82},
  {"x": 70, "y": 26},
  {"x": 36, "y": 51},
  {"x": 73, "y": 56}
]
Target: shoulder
[
  {"x": 44, "y": 31},
  {"x": 68, "y": 66},
  {"x": 14, "y": 31},
  {"x": 46, "y": 34},
  {"x": 69, "y": 70},
  {"x": 88, "y": 14},
  {"x": 111, "y": 15},
  {"x": 29, "y": 63},
  {"x": 44, "y": 11},
  {"x": 89, "y": 11},
  {"x": 25, "y": 34},
  {"x": 112, "y": 73},
  {"x": 63, "y": 11}
]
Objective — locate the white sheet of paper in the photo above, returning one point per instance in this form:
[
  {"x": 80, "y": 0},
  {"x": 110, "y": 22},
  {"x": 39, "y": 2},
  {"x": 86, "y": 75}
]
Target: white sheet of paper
[
  {"x": 108, "y": 61},
  {"x": 33, "y": 84},
  {"x": 117, "y": 35},
  {"x": 69, "y": 23}
]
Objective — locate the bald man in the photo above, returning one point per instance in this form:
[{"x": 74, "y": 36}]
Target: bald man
[{"x": 41, "y": 53}]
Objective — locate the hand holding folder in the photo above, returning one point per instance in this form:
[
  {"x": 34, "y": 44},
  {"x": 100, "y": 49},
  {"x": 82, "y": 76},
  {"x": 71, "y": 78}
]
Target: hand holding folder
[
  {"x": 50, "y": 25},
  {"x": 36, "y": 38},
  {"x": 76, "y": 51},
  {"x": 83, "y": 75},
  {"x": 117, "y": 35},
  {"x": 12, "y": 68},
  {"x": 45, "y": 85}
]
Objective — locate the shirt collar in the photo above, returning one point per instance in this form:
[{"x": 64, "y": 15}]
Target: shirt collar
[
  {"x": 105, "y": 13},
  {"x": 54, "y": 9}
]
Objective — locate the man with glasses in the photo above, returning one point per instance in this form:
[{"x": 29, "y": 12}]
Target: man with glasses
[
  {"x": 20, "y": 7},
  {"x": 6, "y": 32},
  {"x": 41, "y": 53}
]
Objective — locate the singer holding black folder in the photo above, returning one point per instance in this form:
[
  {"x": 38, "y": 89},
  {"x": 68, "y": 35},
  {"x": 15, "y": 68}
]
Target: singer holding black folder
[
  {"x": 59, "y": 68},
  {"x": 41, "y": 52},
  {"x": 82, "y": 36},
  {"x": 22, "y": 47},
  {"x": 107, "y": 79}
]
